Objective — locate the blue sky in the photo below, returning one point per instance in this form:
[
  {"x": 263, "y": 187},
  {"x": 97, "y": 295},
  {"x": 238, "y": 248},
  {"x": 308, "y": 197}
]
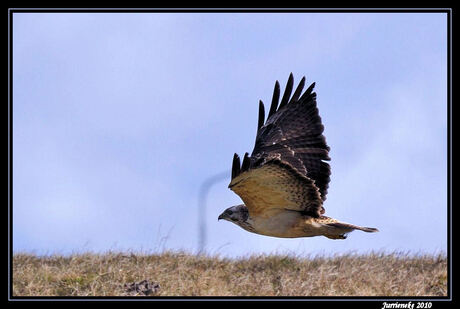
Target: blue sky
[{"x": 119, "y": 118}]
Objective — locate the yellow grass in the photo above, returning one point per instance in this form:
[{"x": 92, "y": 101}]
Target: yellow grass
[{"x": 182, "y": 274}]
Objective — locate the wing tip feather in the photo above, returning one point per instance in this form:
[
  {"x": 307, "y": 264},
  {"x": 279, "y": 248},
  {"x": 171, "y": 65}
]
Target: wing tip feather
[
  {"x": 287, "y": 91},
  {"x": 275, "y": 99},
  {"x": 236, "y": 166},
  {"x": 261, "y": 115},
  {"x": 308, "y": 94},
  {"x": 298, "y": 91},
  {"x": 246, "y": 163}
]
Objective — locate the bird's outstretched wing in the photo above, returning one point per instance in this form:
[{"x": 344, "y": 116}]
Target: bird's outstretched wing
[
  {"x": 292, "y": 137},
  {"x": 294, "y": 130}
]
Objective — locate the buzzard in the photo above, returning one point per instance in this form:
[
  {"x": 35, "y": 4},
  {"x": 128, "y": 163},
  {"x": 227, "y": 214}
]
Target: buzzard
[{"x": 284, "y": 182}]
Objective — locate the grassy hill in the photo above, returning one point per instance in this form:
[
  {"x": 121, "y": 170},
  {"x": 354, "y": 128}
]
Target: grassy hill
[{"x": 182, "y": 274}]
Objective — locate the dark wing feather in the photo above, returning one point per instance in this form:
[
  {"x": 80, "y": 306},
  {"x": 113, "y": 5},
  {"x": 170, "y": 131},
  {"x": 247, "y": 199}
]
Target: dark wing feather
[
  {"x": 294, "y": 131},
  {"x": 298, "y": 91},
  {"x": 246, "y": 163},
  {"x": 261, "y": 115},
  {"x": 275, "y": 99},
  {"x": 287, "y": 91},
  {"x": 236, "y": 166}
]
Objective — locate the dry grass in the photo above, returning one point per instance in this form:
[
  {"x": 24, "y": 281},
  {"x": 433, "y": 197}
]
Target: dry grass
[{"x": 180, "y": 274}]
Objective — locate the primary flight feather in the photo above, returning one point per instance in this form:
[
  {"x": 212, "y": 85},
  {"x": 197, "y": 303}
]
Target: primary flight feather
[{"x": 284, "y": 182}]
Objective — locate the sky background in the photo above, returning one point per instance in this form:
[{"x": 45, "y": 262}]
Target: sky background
[{"x": 119, "y": 118}]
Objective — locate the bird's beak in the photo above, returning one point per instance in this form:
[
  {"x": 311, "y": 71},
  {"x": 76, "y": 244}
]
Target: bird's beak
[{"x": 220, "y": 217}]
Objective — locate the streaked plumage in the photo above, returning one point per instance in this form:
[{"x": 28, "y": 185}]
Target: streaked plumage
[{"x": 284, "y": 182}]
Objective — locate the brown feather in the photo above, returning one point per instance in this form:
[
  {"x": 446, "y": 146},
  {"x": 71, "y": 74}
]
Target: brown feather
[{"x": 276, "y": 185}]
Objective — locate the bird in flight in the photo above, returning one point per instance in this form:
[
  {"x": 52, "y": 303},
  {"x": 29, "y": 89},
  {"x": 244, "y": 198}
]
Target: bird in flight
[{"x": 284, "y": 182}]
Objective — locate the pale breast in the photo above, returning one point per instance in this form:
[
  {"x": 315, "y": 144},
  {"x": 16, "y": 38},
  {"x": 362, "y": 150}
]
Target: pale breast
[{"x": 283, "y": 223}]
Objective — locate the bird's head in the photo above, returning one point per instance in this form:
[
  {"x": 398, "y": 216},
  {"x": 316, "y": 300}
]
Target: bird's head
[{"x": 236, "y": 214}]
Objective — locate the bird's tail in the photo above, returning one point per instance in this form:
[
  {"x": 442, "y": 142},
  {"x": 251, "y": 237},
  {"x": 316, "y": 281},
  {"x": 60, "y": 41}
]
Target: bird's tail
[{"x": 338, "y": 230}]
